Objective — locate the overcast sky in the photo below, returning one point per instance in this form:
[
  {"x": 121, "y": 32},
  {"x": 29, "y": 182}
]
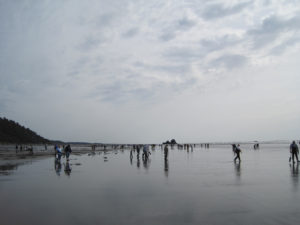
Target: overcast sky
[{"x": 129, "y": 71}]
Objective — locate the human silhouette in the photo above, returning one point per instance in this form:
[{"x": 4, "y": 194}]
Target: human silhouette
[
  {"x": 68, "y": 151},
  {"x": 294, "y": 150},
  {"x": 237, "y": 152},
  {"x": 166, "y": 152}
]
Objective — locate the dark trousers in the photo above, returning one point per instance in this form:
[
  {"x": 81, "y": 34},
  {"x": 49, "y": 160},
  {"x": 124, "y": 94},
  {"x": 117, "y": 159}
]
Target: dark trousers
[
  {"x": 293, "y": 156},
  {"x": 237, "y": 157}
]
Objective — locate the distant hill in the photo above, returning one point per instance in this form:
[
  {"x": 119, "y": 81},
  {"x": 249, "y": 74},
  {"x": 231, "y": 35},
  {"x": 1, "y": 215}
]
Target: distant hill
[{"x": 12, "y": 132}]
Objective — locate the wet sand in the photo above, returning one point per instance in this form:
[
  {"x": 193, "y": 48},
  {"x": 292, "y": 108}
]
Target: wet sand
[{"x": 203, "y": 186}]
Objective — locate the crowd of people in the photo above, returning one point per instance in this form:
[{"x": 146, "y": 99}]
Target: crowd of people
[{"x": 65, "y": 151}]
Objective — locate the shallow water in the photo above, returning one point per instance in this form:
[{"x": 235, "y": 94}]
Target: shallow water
[{"x": 203, "y": 186}]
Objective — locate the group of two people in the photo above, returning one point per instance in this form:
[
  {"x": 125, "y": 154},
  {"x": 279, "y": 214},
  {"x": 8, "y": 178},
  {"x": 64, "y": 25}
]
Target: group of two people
[
  {"x": 294, "y": 150},
  {"x": 145, "y": 154},
  {"x": 59, "y": 151}
]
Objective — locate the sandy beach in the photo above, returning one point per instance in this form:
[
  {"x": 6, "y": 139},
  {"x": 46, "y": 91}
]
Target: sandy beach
[{"x": 199, "y": 186}]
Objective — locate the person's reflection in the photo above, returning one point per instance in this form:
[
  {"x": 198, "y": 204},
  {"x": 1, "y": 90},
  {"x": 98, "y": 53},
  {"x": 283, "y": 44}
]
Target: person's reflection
[
  {"x": 138, "y": 162},
  {"x": 57, "y": 166},
  {"x": 146, "y": 162},
  {"x": 68, "y": 168},
  {"x": 131, "y": 159},
  {"x": 295, "y": 174},
  {"x": 237, "y": 167},
  {"x": 166, "y": 167}
]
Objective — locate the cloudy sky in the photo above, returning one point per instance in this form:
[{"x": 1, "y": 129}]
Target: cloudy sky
[{"x": 146, "y": 71}]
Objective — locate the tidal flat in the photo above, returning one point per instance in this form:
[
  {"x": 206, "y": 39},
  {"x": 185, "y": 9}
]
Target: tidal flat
[{"x": 199, "y": 186}]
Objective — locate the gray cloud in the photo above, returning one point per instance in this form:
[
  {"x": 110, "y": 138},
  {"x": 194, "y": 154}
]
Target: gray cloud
[
  {"x": 229, "y": 61},
  {"x": 279, "y": 49},
  {"x": 130, "y": 33},
  {"x": 200, "y": 51},
  {"x": 90, "y": 43},
  {"x": 170, "y": 69},
  {"x": 271, "y": 28},
  {"x": 217, "y": 10},
  {"x": 167, "y": 36},
  {"x": 175, "y": 28},
  {"x": 120, "y": 92},
  {"x": 79, "y": 53},
  {"x": 219, "y": 43},
  {"x": 105, "y": 20},
  {"x": 183, "y": 54},
  {"x": 184, "y": 24}
]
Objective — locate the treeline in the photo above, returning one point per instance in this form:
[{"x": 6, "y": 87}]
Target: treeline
[{"x": 12, "y": 132}]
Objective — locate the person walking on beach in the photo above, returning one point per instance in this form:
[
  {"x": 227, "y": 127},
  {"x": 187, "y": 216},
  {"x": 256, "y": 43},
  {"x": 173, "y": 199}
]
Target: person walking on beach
[
  {"x": 58, "y": 152},
  {"x": 146, "y": 152},
  {"x": 68, "y": 151},
  {"x": 237, "y": 152},
  {"x": 166, "y": 152},
  {"x": 295, "y": 151}
]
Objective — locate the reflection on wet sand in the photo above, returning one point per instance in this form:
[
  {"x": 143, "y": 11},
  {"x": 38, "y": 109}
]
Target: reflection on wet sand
[
  {"x": 57, "y": 166},
  {"x": 237, "y": 166},
  {"x": 204, "y": 188},
  {"x": 7, "y": 169},
  {"x": 295, "y": 174},
  {"x": 146, "y": 162},
  {"x": 138, "y": 163},
  {"x": 166, "y": 167},
  {"x": 237, "y": 169},
  {"x": 68, "y": 168}
]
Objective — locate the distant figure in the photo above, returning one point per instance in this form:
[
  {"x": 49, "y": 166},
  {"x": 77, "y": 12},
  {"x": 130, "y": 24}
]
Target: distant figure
[
  {"x": 68, "y": 151},
  {"x": 237, "y": 152},
  {"x": 17, "y": 147},
  {"x": 146, "y": 152},
  {"x": 30, "y": 149},
  {"x": 256, "y": 146},
  {"x": 294, "y": 150},
  {"x": 166, "y": 151}
]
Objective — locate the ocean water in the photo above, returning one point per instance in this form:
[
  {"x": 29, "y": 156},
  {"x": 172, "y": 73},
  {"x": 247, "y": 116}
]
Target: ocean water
[{"x": 203, "y": 186}]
